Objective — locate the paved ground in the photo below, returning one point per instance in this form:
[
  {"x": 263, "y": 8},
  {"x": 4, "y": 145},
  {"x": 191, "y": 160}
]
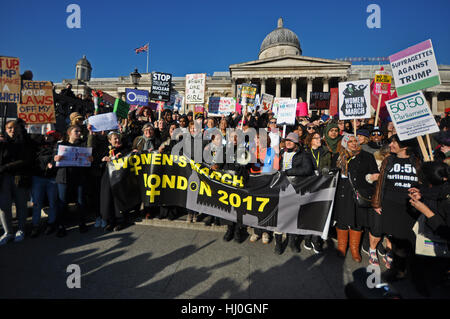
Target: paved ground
[{"x": 163, "y": 259}]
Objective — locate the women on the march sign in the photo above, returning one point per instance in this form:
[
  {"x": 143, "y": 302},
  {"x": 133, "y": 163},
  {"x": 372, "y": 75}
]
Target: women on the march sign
[{"x": 415, "y": 68}]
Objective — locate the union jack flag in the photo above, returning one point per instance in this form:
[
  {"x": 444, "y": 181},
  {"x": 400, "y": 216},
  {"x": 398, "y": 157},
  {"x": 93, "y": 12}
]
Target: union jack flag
[{"x": 141, "y": 49}]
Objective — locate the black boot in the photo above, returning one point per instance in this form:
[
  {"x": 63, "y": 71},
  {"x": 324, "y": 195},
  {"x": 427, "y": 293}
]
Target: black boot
[
  {"x": 278, "y": 244},
  {"x": 294, "y": 242},
  {"x": 229, "y": 234}
]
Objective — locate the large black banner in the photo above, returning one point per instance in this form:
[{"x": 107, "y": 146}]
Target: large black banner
[{"x": 268, "y": 201}]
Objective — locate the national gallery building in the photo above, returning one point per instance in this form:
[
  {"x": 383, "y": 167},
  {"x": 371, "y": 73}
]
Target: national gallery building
[{"x": 281, "y": 70}]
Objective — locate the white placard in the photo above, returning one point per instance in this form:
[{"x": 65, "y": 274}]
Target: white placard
[
  {"x": 286, "y": 112},
  {"x": 276, "y": 103},
  {"x": 195, "y": 88},
  {"x": 411, "y": 116},
  {"x": 354, "y": 100},
  {"x": 74, "y": 156},
  {"x": 104, "y": 122},
  {"x": 266, "y": 103}
]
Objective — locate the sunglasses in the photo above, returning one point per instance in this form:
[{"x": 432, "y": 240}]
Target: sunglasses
[
  {"x": 376, "y": 133},
  {"x": 311, "y": 128},
  {"x": 273, "y": 122}
]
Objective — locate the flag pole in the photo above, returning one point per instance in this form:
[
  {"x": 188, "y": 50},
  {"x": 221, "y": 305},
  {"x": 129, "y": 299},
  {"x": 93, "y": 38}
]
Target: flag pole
[{"x": 148, "y": 49}]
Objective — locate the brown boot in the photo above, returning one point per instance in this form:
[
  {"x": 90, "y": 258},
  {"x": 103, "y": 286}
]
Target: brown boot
[
  {"x": 342, "y": 237},
  {"x": 355, "y": 239}
]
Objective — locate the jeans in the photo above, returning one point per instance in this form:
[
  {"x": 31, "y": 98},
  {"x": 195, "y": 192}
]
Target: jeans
[
  {"x": 10, "y": 193},
  {"x": 44, "y": 186},
  {"x": 63, "y": 192}
]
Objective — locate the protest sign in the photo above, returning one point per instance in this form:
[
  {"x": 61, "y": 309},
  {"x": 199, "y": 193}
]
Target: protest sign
[
  {"x": 161, "y": 86},
  {"x": 121, "y": 108},
  {"x": 268, "y": 201},
  {"x": 198, "y": 109},
  {"x": 175, "y": 103},
  {"x": 382, "y": 84},
  {"x": 286, "y": 112},
  {"x": 302, "y": 109},
  {"x": 136, "y": 97},
  {"x": 276, "y": 104},
  {"x": 248, "y": 91},
  {"x": 195, "y": 88},
  {"x": 219, "y": 106},
  {"x": 266, "y": 103},
  {"x": 37, "y": 106},
  {"x": 354, "y": 98},
  {"x": 334, "y": 101},
  {"x": 415, "y": 68},
  {"x": 103, "y": 122},
  {"x": 74, "y": 156},
  {"x": 319, "y": 101},
  {"x": 9, "y": 80},
  {"x": 411, "y": 116}
]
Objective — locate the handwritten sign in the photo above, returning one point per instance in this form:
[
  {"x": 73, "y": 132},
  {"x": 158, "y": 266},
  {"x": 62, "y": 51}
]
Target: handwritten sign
[
  {"x": 319, "y": 101},
  {"x": 286, "y": 112},
  {"x": 195, "y": 88},
  {"x": 37, "y": 105},
  {"x": 9, "y": 80},
  {"x": 104, "y": 122},
  {"x": 219, "y": 106},
  {"x": 74, "y": 156}
]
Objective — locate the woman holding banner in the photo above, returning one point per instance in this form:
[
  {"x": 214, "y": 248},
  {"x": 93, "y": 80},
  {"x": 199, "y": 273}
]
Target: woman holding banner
[
  {"x": 357, "y": 168},
  {"x": 71, "y": 182}
]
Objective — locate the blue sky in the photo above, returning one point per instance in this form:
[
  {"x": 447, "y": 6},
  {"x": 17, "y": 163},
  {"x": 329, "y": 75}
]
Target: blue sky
[{"x": 203, "y": 36}]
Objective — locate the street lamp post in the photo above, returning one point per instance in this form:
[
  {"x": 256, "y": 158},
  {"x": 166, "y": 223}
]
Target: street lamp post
[{"x": 135, "y": 77}]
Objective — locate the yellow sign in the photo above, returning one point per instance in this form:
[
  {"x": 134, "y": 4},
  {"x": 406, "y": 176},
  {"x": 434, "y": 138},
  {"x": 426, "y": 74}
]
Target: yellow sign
[{"x": 383, "y": 78}]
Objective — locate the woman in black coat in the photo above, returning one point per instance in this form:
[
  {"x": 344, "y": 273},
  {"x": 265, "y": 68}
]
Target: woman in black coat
[{"x": 356, "y": 168}]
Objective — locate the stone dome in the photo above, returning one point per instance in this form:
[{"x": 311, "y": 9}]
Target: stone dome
[
  {"x": 281, "y": 37},
  {"x": 84, "y": 62}
]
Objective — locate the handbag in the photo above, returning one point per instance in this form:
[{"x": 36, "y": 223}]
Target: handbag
[
  {"x": 428, "y": 244},
  {"x": 362, "y": 201}
]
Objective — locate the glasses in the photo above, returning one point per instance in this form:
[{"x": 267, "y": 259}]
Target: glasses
[
  {"x": 273, "y": 122},
  {"x": 376, "y": 133},
  {"x": 310, "y": 128}
]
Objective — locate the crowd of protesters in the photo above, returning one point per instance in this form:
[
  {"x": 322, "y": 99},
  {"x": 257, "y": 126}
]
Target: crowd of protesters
[{"x": 373, "y": 164}]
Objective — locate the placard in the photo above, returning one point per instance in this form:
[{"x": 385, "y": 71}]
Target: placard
[
  {"x": 334, "y": 101},
  {"x": 411, "y": 116},
  {"x": 382, "y": 84},
  {"x": 219, "y": 106},
  {"x": 103, "y": 122},
  {"x": 121, "y": 108},
  {"x": 319, "y": 101},
  {"x": 276, "y": 103},
  {"x": 9, "y": 80},
  {"x": 136, "y": 97},
  {"x": 248, "y": 91},
  {"x": 161, "y": 86},
  {"x": 74, "y": 156},
  {"x": 354, "y": 100},
  {"x": 415, "y": 68},
  {"x": 266, "y": 102},
  {"x": 37, "y": 106},
  {"x": 195, "y": 88},
  {"x": 286, "y": 112}
]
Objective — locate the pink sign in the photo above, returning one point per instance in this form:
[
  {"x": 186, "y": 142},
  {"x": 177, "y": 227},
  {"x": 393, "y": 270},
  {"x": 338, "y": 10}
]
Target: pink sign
[
  {"x": 302, "y": 109},
  {"x": 238, "y": 108}
]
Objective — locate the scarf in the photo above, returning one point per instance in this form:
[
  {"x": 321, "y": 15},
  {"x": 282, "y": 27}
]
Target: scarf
[
  {"x": 345, "y": 155},
  {"x": 332, "y": 143}
]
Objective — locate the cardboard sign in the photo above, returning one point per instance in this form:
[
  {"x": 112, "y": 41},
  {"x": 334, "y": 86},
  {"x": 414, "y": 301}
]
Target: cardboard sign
[
  {"x": 104, "y": 122},
  {"x": 382, "y": 84},
  {"x": 411, "y": 116},
  {"x": 219, "y": 106},
  {"x": 354, "y": 100},
  {"x": 266, "y": 102},
  {"x": 161, "y": 86},
  {"x": 198, "y": 109},
  {"x": 74, "y": 156},
  {"x": 415, "y": 68},
  {"x": 136, "y": 97},
  {"x": 9, "y": 80},
  {"x": 286, "y": 112},
  {"x": 319, "y": 101},
  {"x": 276, "y": 104},
  {"x": 195, "y": 88},
  {"x": 248, "y": 92},
  {"x": 175, "y": 103},
  {"x": 121, "y": 108},
  {"x": 334, "y": 101},
  {"x": 37, "y": 106}
]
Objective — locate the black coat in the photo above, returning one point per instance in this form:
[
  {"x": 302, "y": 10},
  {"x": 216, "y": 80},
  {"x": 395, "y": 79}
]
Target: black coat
[
  {"x": 437, "y": 198},
  {"x": 71, "y": 175},
  {"x": 301, "y": 164},
  {"x": 364, "y": 163}
]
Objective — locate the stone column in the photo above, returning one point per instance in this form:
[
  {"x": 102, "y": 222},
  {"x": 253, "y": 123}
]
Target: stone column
[
  {"x": 294, "y": 87},
  {"x": 278, "y": 87},
  {"x": 233, "y": 87},
  {"x": 308, "y": 89},
  {"x": 434, "y": 102},
  {"x": 326, "y": 87},
  {"x": 263, "y": 85}
]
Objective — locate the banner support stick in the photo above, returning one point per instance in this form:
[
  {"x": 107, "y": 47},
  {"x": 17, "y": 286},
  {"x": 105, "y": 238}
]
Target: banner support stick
[
  {"x": 429, "y": 147},
  {"x": 354, "y": 126},
  {"x": 423, "y": 149},
  {"x": 378, "y": 110}
]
